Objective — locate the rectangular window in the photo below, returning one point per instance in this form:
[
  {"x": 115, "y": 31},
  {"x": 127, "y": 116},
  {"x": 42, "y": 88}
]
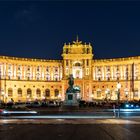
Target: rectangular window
[
  {"x": 87, "y": 62},
  {"x": 38, "y": 68},
  {"x": 66, "y": 62}
]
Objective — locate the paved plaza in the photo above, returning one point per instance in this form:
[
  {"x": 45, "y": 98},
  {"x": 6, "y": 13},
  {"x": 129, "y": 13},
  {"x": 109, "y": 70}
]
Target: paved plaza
[{"x": 70, "y": 129}]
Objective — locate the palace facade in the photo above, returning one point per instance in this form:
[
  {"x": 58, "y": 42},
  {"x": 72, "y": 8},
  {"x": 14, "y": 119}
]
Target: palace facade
[{"x": 27, "y": 79}]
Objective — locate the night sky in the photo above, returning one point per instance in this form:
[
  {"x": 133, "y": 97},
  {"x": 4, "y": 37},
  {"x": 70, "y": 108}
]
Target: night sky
[{"x": 38, "y": 29}]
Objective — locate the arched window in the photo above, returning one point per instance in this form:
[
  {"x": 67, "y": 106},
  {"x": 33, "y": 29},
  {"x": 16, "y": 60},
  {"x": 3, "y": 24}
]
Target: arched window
[
  {"x": 38, "y": 93},
  {"x": 67, "y": 50},
  {"x": 19, "y": 92},
  {"x": 77, "y": 64},
  {"x": 56, "y": 92},
  {"x": 47, "y": 93},
  {"x": 87, "y": 50},
  {"x": 10, "y": 92},
  {"x": 29, "y": 92}
]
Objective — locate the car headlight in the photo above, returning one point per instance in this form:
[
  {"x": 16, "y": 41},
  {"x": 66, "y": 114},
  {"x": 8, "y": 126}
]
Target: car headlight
[{"x": 126, "y": 105}]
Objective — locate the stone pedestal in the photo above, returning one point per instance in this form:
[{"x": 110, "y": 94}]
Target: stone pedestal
[
  {"x": 71, "y": 99},
  {"x": 71, "y": 95}
]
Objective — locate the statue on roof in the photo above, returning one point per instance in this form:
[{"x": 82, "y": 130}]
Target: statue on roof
[{"x": 77, "y": 42}]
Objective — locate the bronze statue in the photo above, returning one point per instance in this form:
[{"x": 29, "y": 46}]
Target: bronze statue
[{"x": 71, "y": 81}]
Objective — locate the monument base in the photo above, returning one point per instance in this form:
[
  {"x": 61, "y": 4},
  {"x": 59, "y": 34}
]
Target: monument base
[{"x": 71, "y": 100}]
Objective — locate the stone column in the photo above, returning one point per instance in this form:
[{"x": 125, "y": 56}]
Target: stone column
[
  {"x": 85, "y": 66},
  {"x": 52, "y": 73},
  {"x": 15, "y": 72},
  {"x": 111, "y": 72},
  {"x": 3, "y": 70},
  {"x": 12, "y": 71},
  {"x": 121, "y": 72},
  {"x": 105, "y": 73}
]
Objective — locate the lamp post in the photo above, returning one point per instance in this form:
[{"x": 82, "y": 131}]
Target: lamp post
[{"x": 118, "y": 97}]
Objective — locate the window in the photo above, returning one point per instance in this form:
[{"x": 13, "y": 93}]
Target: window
[
  {"x": 9, "y": 67},
  {"x": 19, "y": 78},
  {"x": 99, "y": 79},
  {"x": 38, "y": 93},
  {"x": 77, "y": 64},
  {"x": 47, "y": 93},
  {"x": 87, "y": 63},
  {"x": 108, "y": 78},
  {"x": 66, "y": 62},
  {"x": 56, "y": 92},
  {"x": 38, "y": 68},
  {"x": 19, "y": 92},
  {"x": 118, "y": 78},
  {"x": 67, "y": 51},
  {"x": 29, "y": 93},
  {"x": 56, "y": 69},
  {"x": 10, "y": 92},
  {"x": 87, "y": 50},
  {"x": 47, "y": 69},
  {"x": 18, "y": 67},
  {"x": 56, "y": 78},
  {"x": 28, "y": 68}
]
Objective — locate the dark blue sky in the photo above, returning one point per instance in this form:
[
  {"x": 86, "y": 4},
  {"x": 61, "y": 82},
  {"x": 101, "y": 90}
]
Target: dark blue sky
[{"x": 38, "y": 29}]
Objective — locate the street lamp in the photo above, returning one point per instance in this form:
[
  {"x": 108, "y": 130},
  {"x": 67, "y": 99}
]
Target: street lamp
[{"x": 118, "y": 97}]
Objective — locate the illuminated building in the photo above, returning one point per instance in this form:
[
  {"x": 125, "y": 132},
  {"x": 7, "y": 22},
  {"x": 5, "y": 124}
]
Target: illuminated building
[{"x": 27, "y": 79}]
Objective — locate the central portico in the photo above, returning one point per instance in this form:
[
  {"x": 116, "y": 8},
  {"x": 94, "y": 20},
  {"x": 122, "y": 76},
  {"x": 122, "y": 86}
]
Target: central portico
[{"x": 77, "y": 60}]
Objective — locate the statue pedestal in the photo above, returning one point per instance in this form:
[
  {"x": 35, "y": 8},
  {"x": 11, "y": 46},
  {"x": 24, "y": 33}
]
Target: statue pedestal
[
  {"x": 71, "y": 95},
  {"x": 71, "y": 99}
]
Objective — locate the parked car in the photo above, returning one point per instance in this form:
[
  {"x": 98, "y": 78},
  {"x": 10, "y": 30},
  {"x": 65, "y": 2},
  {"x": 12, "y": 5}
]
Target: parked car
[
  {"x": 53, "y": 104},
  {"x": 44, "y": 104},
  {"x": 130, "y": 105},
  {"x": 36, "y": 104},
  {"x": 28, "y": 104},
  {"x": 19, "y": 104},
  {"x": 82, "y": 103}
]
